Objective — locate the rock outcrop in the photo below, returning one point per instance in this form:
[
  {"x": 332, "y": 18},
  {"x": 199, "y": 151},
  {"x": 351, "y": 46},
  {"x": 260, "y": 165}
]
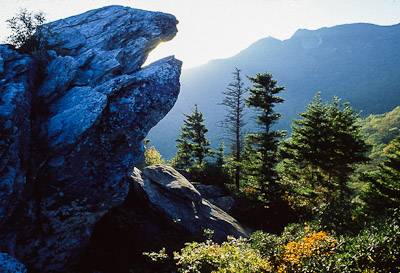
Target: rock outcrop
[
  {"x": 10, "y": 265},
  {"x": 162, "y": 210},
  {"x": 215, "y": 195},
  {"x": 168, "y": 194},
  {"x": 71, "y": 122}
]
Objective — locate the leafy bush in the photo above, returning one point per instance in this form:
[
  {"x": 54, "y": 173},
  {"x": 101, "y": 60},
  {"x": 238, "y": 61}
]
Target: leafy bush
[
  {"x": 269, "y": 245},
  {"x": 374, "y": 249},
  {"x": 152, "y": 156},
  {"x": 308, "y": 254},
  {"x": 28, "y": 32},
  {"x": 234, "y": 255},
  {"x": 209, "y": 173},
  {"x": 298, "y": 249}
]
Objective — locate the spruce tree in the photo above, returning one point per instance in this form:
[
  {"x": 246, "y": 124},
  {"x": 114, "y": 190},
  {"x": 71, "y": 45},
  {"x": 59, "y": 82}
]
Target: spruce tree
[
  {"x": 183, "y": 158},
  {"x": 251, "y": 164},
  {"x": 325, "y": 146},
  {"x": 263, "y": 97},
  {"x": 310, "y": 139},
  {"x": 349, "y": 147},
  {"x": 384, "y": 189},
  {"x": 193, "y": 145},
  {"x": 220, "y": 155},
  {"x": 234, "y": 120}
]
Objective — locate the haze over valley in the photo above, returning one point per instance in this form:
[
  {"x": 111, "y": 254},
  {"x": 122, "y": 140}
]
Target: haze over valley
[{"x": 359, "y": 63}]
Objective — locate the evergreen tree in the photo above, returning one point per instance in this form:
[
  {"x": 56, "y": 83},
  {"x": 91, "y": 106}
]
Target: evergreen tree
[
  {"x": 251, "y": 164},
  {"x": 263, "y": 97},
  {"x": 234, "y": 120},
  {"x": 183, "y": 158},
  {"x": 220, "y": 160},
  {"x": 311, "y": 137},
  {"x": 325, "y": 146},
  {"x": 193, "y": 144},
  {"x": 384, "y": 189}
]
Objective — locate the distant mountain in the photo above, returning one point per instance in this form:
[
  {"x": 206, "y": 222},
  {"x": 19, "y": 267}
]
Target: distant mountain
[{"x": 359, "y": 63}]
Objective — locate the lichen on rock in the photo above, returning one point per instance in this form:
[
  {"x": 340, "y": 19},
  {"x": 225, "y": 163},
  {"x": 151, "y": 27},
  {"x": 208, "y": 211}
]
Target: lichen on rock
[
  {"x": 71, "y": 127},
  {"x": 10, "y": 264}
]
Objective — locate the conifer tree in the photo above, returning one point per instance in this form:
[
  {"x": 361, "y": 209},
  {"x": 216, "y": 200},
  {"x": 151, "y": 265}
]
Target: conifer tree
[
  {"x": 263, "y": 97},
  {"x": 234, "y": 120},
  {"x": 325, "y": 145},
  {"x": 310, "y": 138},
  {"x": 183, "y": 158},
  {"x": 251, "y": 164},
  {"x": 193, "y": 145},
  {"x": 384, "y": 189},
  {"x": 220, "y": 155}
]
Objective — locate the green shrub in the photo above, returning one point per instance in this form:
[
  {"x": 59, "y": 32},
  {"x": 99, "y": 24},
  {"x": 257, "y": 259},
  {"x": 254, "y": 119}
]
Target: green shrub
[
  {"x": 152, "y": 156},
  {"x": 234, "y": 255},
  {"x": 300, "y": 248},
  {"x": 209, "y": 173},
  {"x": 269, "y": 245},
  {"x": 374, "y": 249}
]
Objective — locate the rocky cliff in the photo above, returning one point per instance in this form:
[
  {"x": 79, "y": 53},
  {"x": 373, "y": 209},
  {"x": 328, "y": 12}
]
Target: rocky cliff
[{"x": 71, "y": 123}]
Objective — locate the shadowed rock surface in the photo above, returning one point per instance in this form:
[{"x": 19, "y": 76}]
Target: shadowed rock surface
[
  {"x": 215, "y": 195},
  {"x": 162, "y": 210},
  {"x": 71, "y": 124},
  {"x": 172, "y": 196}
]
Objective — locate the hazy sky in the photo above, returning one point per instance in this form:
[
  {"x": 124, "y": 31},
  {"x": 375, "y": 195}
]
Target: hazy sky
[{"x": 212, "y": 29}]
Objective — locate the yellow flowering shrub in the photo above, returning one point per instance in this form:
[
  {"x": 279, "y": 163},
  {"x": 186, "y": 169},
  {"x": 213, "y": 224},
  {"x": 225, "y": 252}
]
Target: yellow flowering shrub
[
  {"x": 313, "y": 244},
  {"x": 250, "y": 190},
  {"x": 299, "y": 249}
]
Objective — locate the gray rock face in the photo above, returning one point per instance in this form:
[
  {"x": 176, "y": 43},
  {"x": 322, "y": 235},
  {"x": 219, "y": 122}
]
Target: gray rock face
[
  {"x": 215, "y": 195},
  {"x": 225, "y": 203},
  {"x": 171, "y": 196},
  {"x": 209, "y": 191},
  {"x": 16, "y": 77},
  {"x": 71, "y": 127}
]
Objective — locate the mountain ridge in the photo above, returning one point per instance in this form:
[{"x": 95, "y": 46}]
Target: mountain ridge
[{"x": 359, "y": 63}]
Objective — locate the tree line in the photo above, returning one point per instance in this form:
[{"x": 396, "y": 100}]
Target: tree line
[
  {"x": 312, "y": 168},
  {"x": 342, "y": 217}
]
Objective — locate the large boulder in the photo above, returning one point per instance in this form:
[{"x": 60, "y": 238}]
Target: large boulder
[
  {"x": 172, "y": 196},
  {"x": 71, "y": 122},
  {"x": 162, "y": 210}
]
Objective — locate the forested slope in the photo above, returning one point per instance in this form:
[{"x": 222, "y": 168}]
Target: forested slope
[{"x": 359, "y": 63}]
